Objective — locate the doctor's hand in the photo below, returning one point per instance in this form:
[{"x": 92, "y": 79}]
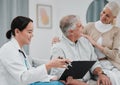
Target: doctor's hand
[
  {"x": 57, "y": 63},
  {"x": 103, "y": 79}
]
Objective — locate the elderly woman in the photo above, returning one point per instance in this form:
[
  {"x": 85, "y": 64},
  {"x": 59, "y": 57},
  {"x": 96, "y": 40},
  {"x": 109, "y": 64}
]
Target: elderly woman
[{"x": 105, "y": 37}]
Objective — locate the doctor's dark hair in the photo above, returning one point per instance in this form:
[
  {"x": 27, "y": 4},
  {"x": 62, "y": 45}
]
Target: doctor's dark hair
[{"x": 19, "y": 22}]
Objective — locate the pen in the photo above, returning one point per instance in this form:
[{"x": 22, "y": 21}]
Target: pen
[{"x": 69, "y": 64}]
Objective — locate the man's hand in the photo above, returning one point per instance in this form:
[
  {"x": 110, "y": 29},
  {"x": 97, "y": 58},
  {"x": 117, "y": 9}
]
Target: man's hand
[
  {"x": 103, "y": 79},
  {"x": 71, "y": 81}
]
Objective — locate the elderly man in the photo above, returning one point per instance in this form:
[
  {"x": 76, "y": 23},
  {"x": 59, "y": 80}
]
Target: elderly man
[{"x": 75, "y": 47}]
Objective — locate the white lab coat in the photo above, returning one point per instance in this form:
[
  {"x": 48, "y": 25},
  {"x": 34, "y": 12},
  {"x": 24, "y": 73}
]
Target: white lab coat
[{"x": 13, "y": 70}]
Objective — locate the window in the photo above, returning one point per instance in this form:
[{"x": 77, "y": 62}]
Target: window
[{"x": 94, "y": 9}]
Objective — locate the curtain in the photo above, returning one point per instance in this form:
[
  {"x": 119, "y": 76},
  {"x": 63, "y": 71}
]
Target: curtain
[
  {"x": 94, "y": 9},
  {"x": 9, "y": 9}
]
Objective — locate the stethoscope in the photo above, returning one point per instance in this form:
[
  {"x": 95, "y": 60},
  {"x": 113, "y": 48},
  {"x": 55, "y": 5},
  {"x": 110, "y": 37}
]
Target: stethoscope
[{"x": 25, "y": 59}]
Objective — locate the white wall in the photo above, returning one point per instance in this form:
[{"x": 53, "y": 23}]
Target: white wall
[
  {"x": 67, "y": 7},
  {"x": 41, "y": 42}
]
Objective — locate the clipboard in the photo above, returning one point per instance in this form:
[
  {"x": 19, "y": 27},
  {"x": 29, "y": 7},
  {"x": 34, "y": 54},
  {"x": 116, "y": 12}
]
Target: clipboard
[{"x": 78, "y": 69}]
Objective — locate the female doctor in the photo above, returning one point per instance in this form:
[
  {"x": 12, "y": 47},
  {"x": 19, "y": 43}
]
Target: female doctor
[{"x": 15, "y": 68}]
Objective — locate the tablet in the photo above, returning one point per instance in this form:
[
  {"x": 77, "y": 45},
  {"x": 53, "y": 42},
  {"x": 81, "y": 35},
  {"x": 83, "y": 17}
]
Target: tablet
[{"x": 78, "y": 69}]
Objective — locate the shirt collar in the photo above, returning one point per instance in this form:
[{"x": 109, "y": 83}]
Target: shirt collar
[
  {"x": 69, "y": 41},
  {"x": 15, "y": 43}
]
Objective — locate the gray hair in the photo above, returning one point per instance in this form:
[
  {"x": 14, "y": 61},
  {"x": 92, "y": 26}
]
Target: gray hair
[
  {"x": 114, "y": 7},
  {"x": 68, "y": 22}
]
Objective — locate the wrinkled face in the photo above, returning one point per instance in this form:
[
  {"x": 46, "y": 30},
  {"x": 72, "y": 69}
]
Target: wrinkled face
[
  {"x": 24, "y": 37},
  {"x": 106, "y": 16},
  {"x": 78, "y": 30}
]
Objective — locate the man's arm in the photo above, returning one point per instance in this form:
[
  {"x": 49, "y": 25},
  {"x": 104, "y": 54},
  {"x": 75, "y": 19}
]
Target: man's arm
[
  {"x": 102, "y": 78},
  {"x": 98, "y": 71}
]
